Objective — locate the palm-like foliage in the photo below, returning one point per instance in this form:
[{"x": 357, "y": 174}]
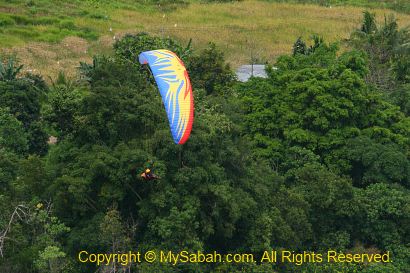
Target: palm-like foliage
[
  {"x": 9, "y": 69},
  {"x": 387, "y": 48}
]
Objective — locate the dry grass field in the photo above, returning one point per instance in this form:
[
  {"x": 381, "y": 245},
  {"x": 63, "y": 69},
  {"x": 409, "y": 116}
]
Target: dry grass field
[{"x": 243, "y": 29}]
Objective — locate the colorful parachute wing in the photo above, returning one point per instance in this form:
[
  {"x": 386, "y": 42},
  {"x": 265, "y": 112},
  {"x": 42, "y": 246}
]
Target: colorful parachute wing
[{"x": 175, "y": 88}]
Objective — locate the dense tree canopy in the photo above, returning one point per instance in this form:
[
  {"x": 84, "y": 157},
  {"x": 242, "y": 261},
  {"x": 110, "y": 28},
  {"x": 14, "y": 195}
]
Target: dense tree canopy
[{"x": 315, "y": 157}]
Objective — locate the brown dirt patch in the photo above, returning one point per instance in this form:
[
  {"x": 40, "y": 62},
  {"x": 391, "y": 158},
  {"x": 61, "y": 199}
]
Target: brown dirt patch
[{"x": 49, "y": 59}]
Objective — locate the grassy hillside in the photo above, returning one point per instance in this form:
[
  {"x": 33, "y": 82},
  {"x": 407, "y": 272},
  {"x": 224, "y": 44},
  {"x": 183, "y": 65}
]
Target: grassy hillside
[
  {"x": 56, "y": 35},
  {"x": 398, "y": 5}
]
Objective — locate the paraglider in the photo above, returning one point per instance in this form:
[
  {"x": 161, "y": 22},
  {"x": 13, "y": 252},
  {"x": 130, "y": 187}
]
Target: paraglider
[
  {"x": 175, "y": 88},
  {"x": 148, "y": 175}
]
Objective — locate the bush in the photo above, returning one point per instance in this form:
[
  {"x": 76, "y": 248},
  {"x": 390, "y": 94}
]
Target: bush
[{"x": 6, "y": 21}]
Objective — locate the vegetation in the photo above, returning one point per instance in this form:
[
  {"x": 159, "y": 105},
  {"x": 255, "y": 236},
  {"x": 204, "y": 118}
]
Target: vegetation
[
  {"x": 49, "y": 37},
  {"x": 399, "y": 5},
  {"x": 315, "y": 157}
]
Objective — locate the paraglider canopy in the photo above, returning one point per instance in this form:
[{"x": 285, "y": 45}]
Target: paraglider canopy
[{"x": 174, "y": 85}]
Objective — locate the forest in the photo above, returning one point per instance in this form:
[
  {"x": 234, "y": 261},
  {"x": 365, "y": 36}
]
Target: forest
[{"x": 315, "y": 157}]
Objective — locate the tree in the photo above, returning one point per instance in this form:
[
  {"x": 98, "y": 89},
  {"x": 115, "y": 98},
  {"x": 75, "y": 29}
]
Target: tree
[
  {"x": 373, "y": 162},
  {"x": 381, "y": 217},
  {"x": 299, "y": 47},
  {"x": 130, "y": 46},
  {"x": 12, "y": 134},
  {"x": 209, "y": 71},
  {"x": 369, "y": 23},
  {"x": 64, "y": 100},
  {"x": 122, "y": 104},
  {"x": 116, "y": 237},
  {"x": 9, "y": 69},
  {"x": 23, "y": 96},
  {"x": 386, "y": 47},
  {"x": 50, "y": 257}
]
